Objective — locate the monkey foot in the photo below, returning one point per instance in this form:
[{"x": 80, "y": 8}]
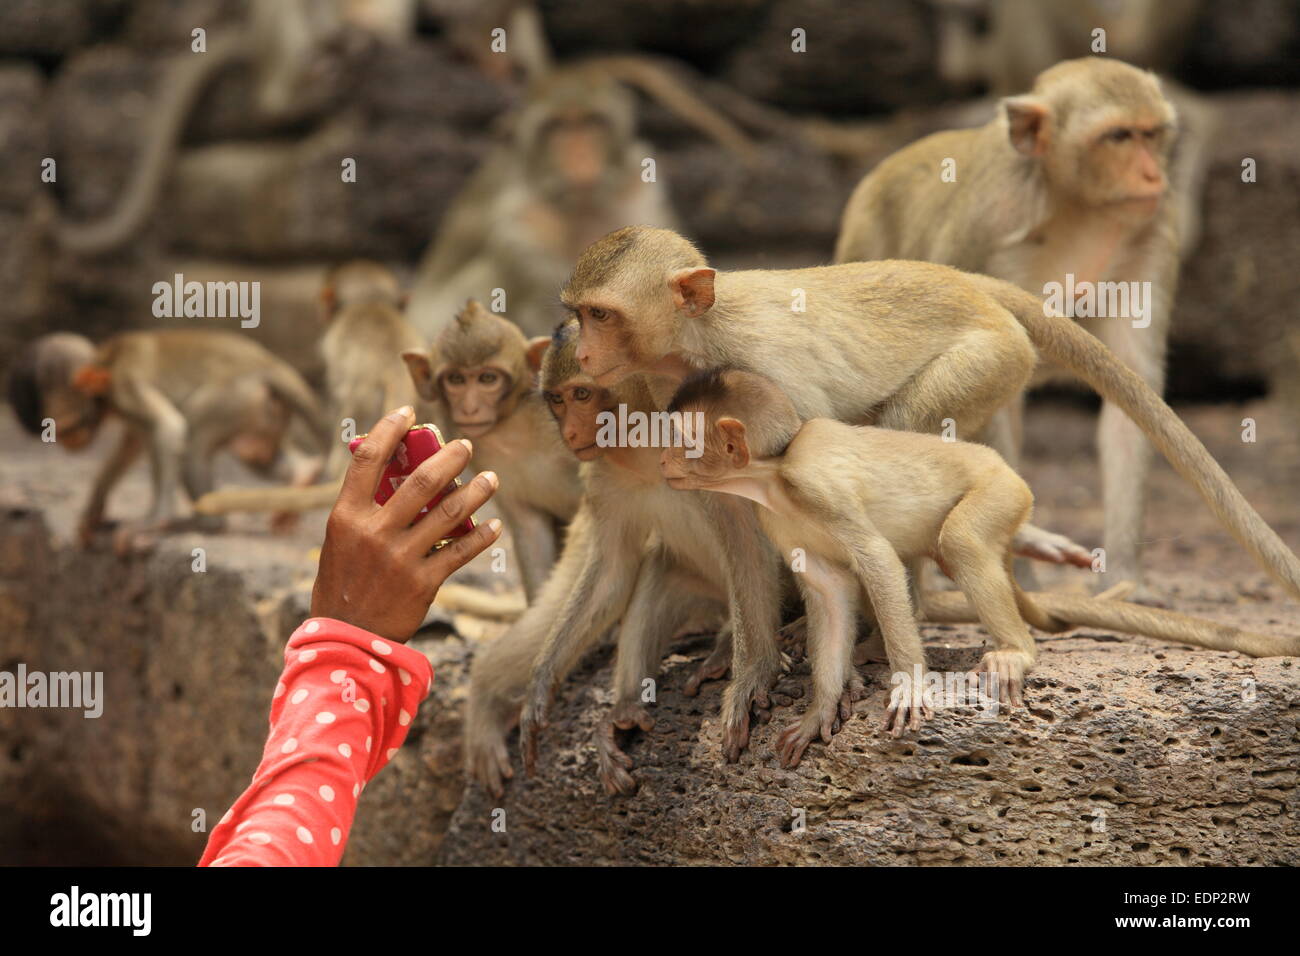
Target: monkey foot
[
  {"x": 1034, "y": 542},
  {"x": 907, "y": 708},
  {"x": 488, "y": 763},
  {"x": 615, "y": 765},
  {"x": 713, "y": 667},
  {"x": 1008, "y": 669},
  {"x": 853, "y": 693},
  {"x": 824, "y": 722}
]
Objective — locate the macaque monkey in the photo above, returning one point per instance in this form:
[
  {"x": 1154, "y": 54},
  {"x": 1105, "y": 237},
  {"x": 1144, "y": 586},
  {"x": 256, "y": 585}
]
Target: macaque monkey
[
  {"x": 1069, "y": 180},
  {"x": 480, "y": 373},
  {"x": 570, "y": 171},
  {"x": 635, "y": 551},
  {"x": 859, "y": 502},
  {"x": 905, "y": 345},
  {"x": 182, "y": 395},
  {"x": 365, "y": 336},
  {"x": 296, "y": 49}
]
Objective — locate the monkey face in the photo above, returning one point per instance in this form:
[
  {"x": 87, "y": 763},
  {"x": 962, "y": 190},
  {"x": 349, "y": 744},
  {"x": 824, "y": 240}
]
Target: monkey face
[
  {"x": 76, "y": 417},
  {"x": 576, "y": 406},
  {"x": 474, "y": 396},
  {"x": 606, "y": 347},
  {"x": 1125, "y": 166},
  {"x": 577, "y": 149}
]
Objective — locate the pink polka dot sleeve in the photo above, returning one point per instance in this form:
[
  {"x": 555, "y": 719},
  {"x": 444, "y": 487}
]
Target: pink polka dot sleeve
[{"x": 341, "y": 709}]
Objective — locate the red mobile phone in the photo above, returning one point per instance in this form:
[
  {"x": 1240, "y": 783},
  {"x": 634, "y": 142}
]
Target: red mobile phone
[{"x": 421, "y": 442}]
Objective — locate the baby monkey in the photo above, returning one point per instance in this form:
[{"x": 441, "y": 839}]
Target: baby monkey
[{"x": 858, "y": 503}]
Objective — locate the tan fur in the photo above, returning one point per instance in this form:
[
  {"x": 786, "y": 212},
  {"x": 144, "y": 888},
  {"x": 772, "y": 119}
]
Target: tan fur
[
  {"x": 183, "y": 394},
  {"x": 477, "y": 375},
  {"x": 1031, "y": 219},
  {"x": 859, "y": 502}
]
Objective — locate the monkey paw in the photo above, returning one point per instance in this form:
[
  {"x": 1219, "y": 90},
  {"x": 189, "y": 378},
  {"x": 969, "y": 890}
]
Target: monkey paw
[
  {"x": 853, "y": 693},
  {"x": 713, "y": 667},
  {"x": 615, "y": 765},
  {"x": 1008, "y": 669},
  {"x": 908, "y": 706},
  {"x": 129, "y": 540},
  {"x": 488, "y": 763},
  {"x": 821, "y": 721},
  {"x": 1041, "y": 545},
  {"x": 531, "y": 723}
]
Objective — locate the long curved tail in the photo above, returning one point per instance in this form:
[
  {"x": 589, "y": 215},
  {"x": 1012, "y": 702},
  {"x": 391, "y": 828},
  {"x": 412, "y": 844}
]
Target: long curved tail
[
  {"x": 1062, "y": 341},
  {"x": 1062, "y": 612},
  {"x": 181, "y": 87},
  {"x": 286, "y": 498}
]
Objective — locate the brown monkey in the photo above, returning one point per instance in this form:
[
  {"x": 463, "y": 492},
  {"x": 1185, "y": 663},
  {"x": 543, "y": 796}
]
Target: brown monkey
[
  {"x": 859, "y": 502},
  {"x": 182, "y": 394},
  {"x": 364, "y": 374},
  {"x": 480, "y": 372},
  {"x": 1078, "y": 169},
  {"x": 897, "y": 344},
  {"x": 296, "y": 48},
  {"x": 635, "y": 551},
  {"x": 570, "y": 171}
]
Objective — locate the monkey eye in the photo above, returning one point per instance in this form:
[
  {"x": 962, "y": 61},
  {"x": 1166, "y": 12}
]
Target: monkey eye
[
  {"x": 581, "y": 394},
  {"x": 597, "y": 315},
  {"x": 1119, "y": 135},
  {"x": 554, "y": 399},
  {"x": 455, "y": 378},
  {"x": 488, "y": 378}
]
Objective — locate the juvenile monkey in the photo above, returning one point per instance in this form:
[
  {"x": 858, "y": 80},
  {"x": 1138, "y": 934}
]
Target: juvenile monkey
[
  {"x": 635, "y": 552},
  {"x": 1069, "y": 180},
  {"x": 480, "y": 372},
  {"x": 182, "y": 395},
  {"x": 861, "y": 501},
  {"x": 901, "y": 345},
  {"x": 360, "y": 303}
]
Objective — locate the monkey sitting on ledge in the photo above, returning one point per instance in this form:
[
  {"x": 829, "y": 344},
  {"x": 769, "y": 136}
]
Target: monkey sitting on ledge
[
  {"x": 860, "y": 502},
  {"x": 183, "y": 394}
]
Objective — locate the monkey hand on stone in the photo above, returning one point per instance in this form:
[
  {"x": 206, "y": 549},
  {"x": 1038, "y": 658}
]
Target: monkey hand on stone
[
  {"x": 614, "y": 763},
  {"x": 377, "y": 569}
]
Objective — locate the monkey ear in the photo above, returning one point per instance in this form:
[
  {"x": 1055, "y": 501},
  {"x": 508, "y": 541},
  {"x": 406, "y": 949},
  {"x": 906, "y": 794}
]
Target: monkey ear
[
  {"x": 1026, "y": 124},
  {"x": 693, "y": 290},
  {"x": 536, "y": 349},
  {"x": 92, "y": 380},
  {"x": 733, "y": 433},
  {"x": 421, "y": 369}
]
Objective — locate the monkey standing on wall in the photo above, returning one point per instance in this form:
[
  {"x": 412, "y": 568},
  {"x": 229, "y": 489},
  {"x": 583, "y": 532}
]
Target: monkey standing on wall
[
  {"x": 1070, "y": 180},
  {"x": 182, "y": 395},
  {"x": 861, "y": 501},
  {"x": 897, "y": 344},
  {"x": 479, "y": 372}
]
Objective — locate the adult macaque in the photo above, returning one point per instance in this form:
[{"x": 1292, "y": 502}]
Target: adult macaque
[
  {"x": 1069, "y": 180},
  {"x": 570, "y": 171},
  {"x": 859, "y": 502},
  {"x": 182, "y": 395},
  {"x": 480, "y": 372},
  {"x": 905, "y": 345},
  {"x": 365, "y": 376},
  {"x": 635, "y": 552},
  {"x": 296, "y": 49}
]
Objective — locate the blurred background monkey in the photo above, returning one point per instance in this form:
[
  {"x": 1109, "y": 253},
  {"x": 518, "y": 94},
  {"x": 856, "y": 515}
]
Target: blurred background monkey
[{"x": 181, "y": 396}]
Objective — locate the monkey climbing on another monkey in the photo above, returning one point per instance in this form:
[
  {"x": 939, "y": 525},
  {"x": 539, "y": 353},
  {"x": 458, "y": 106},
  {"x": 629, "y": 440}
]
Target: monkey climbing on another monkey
[
  {"x": 857, "y": 503},
  {"x": 182, "y": 395},
  {"x": 906, "y": 345},
  {"x": 636, "y": 553}
]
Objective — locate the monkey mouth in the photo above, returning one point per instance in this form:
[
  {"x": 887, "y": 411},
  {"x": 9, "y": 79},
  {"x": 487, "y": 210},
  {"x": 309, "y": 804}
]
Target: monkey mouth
[
  {"x": 471, "y": 429},
  {"x": 587, "y": 452},
  {"x": 603, "y": 378}
]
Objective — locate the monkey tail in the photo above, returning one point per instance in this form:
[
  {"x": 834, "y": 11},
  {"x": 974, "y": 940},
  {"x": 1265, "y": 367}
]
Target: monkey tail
[
  {"x": 181, "y": 88},
  {"x": 461, "y": 599},
  {"x": 1064, "y": 342},
  {"x": 293, "y": 390},
  {"x": 284, "y": 498},
  {"x": 1063, "y": 612}
]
